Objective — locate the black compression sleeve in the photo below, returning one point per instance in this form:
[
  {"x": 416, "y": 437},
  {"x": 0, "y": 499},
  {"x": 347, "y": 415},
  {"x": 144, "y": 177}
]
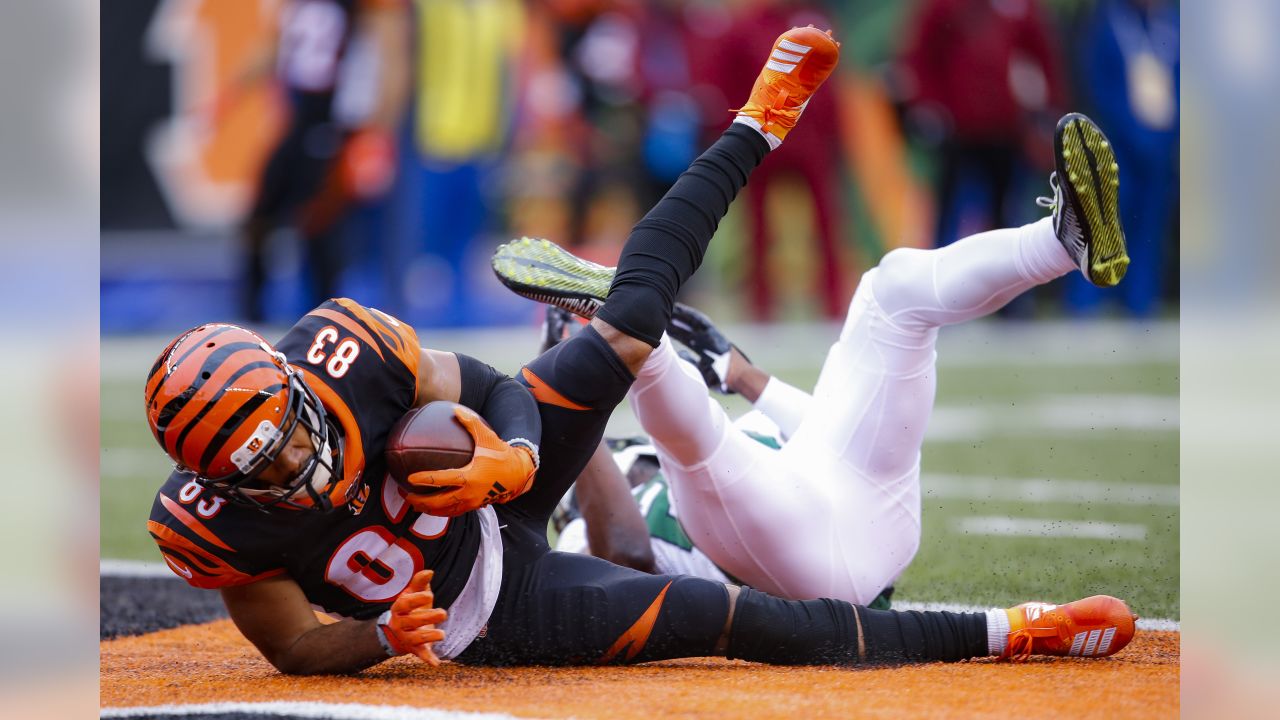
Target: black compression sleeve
[
  {"x": 503, "y": 403},
  {"x": 809, "y": 632},
  {"x": 667, "y": 245}
]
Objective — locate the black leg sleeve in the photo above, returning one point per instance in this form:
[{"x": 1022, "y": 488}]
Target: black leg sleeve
[
  {"x": 667, "y": 245},
  {"x": 821, "y": 632},
  {"x": 563, "y": 609}
]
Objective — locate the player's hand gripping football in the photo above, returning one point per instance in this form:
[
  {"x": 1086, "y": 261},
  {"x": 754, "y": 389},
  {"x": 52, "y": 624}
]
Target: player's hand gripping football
[
  {"x": 410, "y": 625},
  {"x": 498, "y": 472}
]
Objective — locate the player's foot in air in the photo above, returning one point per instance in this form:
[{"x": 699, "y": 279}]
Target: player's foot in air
[
  {"x": 709, "y": 349},
  {"x": 1086, "y": 189},
  {"x": 1096, "y": 626},
  {"x": 544, "y": 272},
  {"x": 801, "y": 59}
]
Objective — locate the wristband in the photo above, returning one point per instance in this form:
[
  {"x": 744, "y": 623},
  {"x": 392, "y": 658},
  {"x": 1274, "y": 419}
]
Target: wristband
[{"x": 528, "y": 445}]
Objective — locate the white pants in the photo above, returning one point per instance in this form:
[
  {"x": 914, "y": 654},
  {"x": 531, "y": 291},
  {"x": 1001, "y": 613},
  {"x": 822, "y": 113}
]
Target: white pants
[{"x": 835, "y": 512}]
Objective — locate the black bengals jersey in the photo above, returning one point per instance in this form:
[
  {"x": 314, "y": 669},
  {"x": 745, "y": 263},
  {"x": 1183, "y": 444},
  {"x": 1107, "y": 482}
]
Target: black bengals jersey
[{"x": 355, "y": 560}]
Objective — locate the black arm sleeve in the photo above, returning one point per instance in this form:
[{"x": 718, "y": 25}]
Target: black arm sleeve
[{"x": 503, "y": 403}]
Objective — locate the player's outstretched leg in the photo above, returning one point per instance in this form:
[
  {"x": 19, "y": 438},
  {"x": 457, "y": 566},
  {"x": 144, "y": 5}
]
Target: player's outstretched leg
[
  {"x": 667, "y": 245},
  {"x": 639, "y": 617},
  {"x": 580, "y": 381}
]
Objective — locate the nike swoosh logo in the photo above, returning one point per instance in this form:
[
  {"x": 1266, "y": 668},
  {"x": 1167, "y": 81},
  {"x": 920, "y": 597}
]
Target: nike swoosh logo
[
  {"x": 545, "y": 394},
  {"x": 634, "y": 639},
  {"x": 178, "y": 568}
]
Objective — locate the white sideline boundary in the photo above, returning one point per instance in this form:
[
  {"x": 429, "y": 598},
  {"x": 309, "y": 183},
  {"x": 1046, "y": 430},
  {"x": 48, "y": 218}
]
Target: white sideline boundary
[
  {"x": 1152, "y": 624},
  {"x": 328, "y": 711},
  {"x": 140, "y": 569},
  {"x": 134, "y": 569}
]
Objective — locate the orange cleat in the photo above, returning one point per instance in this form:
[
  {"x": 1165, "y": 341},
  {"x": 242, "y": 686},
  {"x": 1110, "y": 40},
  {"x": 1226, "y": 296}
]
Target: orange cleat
[
  {"x": 1096, "y": 626},
  {"x": 801, "y": 60}
]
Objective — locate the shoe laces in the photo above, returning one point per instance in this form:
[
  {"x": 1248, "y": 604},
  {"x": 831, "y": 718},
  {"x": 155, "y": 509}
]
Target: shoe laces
[
  {"x": 776, "y": 112},
  {"x": 1053, "y": 202},
  {"x": 1022, "y": 641},
  {"x": 1020, "y": 645}
]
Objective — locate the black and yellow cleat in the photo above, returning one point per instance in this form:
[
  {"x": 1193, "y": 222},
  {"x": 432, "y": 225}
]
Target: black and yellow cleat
[
  {"x": 544, "y": 272},
  {"x": 1086, "y": 212}
]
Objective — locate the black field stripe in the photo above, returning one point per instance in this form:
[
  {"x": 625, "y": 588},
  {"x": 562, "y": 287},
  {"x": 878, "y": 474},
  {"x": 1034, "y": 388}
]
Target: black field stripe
[
  {"x": 220, "y": 438},
  {"x": 194, "y": 346},
  {"x": 182, "y": 438},
  {"x": 1093, "y": 170}
]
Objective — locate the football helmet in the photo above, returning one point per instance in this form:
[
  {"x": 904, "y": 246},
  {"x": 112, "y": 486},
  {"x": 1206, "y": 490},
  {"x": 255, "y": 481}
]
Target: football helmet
[{"x": 224, "y": 404}]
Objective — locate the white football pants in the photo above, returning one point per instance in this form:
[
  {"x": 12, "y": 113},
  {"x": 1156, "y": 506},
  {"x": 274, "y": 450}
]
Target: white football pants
[{"x": 836, "y": 512}]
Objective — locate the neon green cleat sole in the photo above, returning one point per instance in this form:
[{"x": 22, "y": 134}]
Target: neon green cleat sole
[
  {"x": 547, "y": 273},
  {"x": 1089, "y": 176}
]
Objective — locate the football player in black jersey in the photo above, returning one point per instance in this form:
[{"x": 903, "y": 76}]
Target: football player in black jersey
[
  {"x": 281, "y": 498},
  {"x": 323, "y": 162}
]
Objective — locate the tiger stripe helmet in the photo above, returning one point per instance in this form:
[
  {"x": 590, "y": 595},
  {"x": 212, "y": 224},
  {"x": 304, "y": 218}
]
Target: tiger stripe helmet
[{"x": 223, "y": 404}]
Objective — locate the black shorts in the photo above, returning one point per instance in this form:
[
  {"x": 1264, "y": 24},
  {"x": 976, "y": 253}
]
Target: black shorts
[
  {"x": 563, "y": 609},
  {"x": 560, "y": 608}
]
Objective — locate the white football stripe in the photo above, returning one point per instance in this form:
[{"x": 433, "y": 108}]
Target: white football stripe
[
  {"x": 1107, "y": 637},
  {"x": 786, "y": 56},
  {"x": 780, "y": 66},
  {"x": 1077, "y": 644},
  {"x": 794, "y": 47},
  {"x": 1092, "y": 645}
]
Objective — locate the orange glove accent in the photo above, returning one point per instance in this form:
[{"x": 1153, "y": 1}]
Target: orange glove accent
[
  {"x": 368, "y": 163},
  {"x": 498, "y": 472},
  {"x": 410, "y": 625}
]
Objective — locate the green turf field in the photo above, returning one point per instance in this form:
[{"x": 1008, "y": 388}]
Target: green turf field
[{"x": 1051, "y": 469}]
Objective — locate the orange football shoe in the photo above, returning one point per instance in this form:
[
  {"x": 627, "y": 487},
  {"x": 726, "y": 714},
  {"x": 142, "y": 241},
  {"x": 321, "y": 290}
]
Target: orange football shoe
[
  {"x": 801, "y": 60},
  {"x": 1096, "y": 626}
]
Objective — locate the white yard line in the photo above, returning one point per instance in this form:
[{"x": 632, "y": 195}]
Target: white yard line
[
  {"x": 1034, "y": 527},
  {"x": 1156, "y": 624},
  {"x": 1035, "y": 415},
  {"x": 1046, "y": 490},
  {"x": 134, "y": 569},
  {"x": 336, "y": 711}
]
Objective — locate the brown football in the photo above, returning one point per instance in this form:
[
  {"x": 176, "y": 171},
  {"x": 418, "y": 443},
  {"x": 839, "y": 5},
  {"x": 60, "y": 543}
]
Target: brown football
[{"x": 428, "y": 438}]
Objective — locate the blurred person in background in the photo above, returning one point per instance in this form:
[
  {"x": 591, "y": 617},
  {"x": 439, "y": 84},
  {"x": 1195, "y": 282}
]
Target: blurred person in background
[
  {"x": 1129, "y": 63},
  {"x": 343, "y": 67},
  {"x": 816, "y": 160},
  {"x": 982, "y": 83},
  {"x": 466, "y": 64}
]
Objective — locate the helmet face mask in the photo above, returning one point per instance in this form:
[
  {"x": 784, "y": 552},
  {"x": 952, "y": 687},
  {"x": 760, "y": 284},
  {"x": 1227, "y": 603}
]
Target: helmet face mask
[
  {"x": 225, "y": 406},
  {"x": 309, "y": 488}
]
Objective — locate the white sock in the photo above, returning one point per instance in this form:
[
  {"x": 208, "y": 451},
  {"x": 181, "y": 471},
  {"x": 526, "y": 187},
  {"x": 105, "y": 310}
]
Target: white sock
[
  {"x": 972, "y": 277},
  {"x": 997, "y": 631},
  {"x": 784, "y": 404},
  {"x": 773, "y": 140}
]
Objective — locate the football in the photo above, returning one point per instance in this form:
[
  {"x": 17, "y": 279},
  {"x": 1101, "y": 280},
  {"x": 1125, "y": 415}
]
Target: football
[{"x": 427, "y": 438}]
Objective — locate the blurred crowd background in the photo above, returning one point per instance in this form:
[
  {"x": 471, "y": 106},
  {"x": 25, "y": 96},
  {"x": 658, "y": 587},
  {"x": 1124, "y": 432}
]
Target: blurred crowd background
[{"x": 262, "y": 155}]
